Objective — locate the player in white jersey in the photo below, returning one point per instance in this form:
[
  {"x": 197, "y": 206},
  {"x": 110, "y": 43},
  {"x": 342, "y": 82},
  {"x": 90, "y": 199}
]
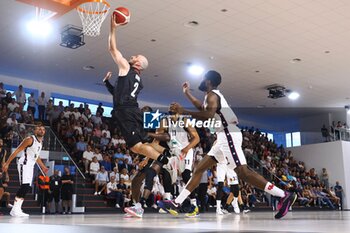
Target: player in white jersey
[
  {"x": 228, "y": 145},
  {"x": 182, "y": 139},
  {"x": 29, "y": 151}
]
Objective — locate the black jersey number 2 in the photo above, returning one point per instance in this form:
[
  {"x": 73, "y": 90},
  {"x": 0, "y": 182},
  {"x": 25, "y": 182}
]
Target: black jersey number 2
[{"x": 136, "y": 85}]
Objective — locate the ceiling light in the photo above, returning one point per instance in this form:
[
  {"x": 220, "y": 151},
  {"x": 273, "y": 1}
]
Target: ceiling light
[
  {"x": 327, "y": 51},
  {"x": 195, "y": 70},
  {"x": 293, "y": 95},
  {"x": 39, "y": 28},
  {"x": 223, "y": 10}
]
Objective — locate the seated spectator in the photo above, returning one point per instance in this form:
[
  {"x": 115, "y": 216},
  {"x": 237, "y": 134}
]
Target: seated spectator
[
  {"x": 211, "y": 194},
  {"x": 127, "y": 158},
  {"x": 115, "y": 140},
  {"x": 323, "y": 198},
  {"x": 12, "y": 105},
  {"x": 76, "y": 113},
  {"x": 66, "y": 112},
  {"x": 87, "y": 158},
  {"x": 118, "y": 155},
  {"x": 7, "y": 99},
  {"x": 115, "y": 173},
  {"x": 106, "y": 163},
  {"x": 3, "y": 193},
  {"x": 104, "y": 141},
  {"x": 96, "y": 134},
  {"x": 101, "y": 181},
  {"x": 114, "y": 193},
  {"x": 96, "y": 119},
  {"x": 124, "y": 175},
  {"x": 11, "y": 121},
  {"x": 97, "y": 154},
  {"x": 124, "y": 190},
  {"x": 105, "y": 130},
  {"x": 94, "y": 168}
]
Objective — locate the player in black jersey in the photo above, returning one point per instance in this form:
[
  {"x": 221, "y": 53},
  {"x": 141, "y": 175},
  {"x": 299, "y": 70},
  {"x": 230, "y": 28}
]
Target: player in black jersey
[{"x": 127, "y": 114}]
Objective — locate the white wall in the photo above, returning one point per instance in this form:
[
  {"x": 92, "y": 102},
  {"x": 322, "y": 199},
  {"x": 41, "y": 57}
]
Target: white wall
[{"x": 334, "y": 156}]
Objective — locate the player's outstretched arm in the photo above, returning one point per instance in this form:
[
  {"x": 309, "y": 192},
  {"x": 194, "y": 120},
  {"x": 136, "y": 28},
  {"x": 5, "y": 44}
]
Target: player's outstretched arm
[
  {"x": 204, "y": 114},
  {"x": 24, "y": 144},
  {"x": 122, "y": 63},
  {"x": 105, "y": 80},
  {"x": 186, "y": 90}
]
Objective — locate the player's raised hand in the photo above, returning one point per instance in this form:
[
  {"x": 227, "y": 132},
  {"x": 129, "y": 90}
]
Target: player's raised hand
[
  {"x": 186, "y": 87},
  {"x": 108, "y": 76}
]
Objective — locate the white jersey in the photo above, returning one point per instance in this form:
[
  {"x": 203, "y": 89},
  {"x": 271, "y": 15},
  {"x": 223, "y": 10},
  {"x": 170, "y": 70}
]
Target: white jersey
[
  {"x": 179, "y": 139},
  {"x": 224, "y": 114},
  {"x": 31, "y": 153},
  {"x": 178, "y": 135}
]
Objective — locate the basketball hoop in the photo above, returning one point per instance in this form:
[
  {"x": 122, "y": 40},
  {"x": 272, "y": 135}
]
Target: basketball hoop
[{"x": 92, "y": 15}]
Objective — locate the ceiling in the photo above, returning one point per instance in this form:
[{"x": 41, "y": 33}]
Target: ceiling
[{"x": 251, "y": 44}]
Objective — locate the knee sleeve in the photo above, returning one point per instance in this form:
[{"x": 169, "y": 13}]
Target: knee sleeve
[
  {"x": 23, "y": 190},
  {"x": 150, "y": 174},
  {"x": 186, "y": 175},
  {"x": 219, "y": 190},
  {"x": 235, "y": 190}
]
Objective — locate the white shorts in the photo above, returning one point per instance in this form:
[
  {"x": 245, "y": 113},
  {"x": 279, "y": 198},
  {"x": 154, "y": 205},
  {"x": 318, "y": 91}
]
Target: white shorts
[
  {"x": 26, "y": 173},
  {"x": 227, "y": 149},
  {"x": 222, "y": 171},
  {"x": 231, "y": 176},
  {"x": 187, "y": 162}
]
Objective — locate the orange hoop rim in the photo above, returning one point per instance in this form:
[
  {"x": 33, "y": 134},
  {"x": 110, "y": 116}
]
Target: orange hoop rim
[{"x": 94, "y": 12}]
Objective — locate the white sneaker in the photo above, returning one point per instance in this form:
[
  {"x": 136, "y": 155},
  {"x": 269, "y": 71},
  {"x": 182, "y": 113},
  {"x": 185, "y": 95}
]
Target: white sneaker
[
  {"x": 127, "y": 199},
  {"x": 154, "y": 206},
  {"x": 99, "y": 193},
  {"x": 219, "y": 212},
  {"x": 236, "y": 207},
  {"x": 18, "y": 213},
  {"x": 117, "y": 205},
  {"x": 225, "y": 211},
  {"x": 246, "y": 211},
  {"x": 95, "y": 193},
  {"x": 161, "y": 211}
]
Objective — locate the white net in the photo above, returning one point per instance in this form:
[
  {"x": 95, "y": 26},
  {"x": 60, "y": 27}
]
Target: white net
[{"x": 92, "y": 15}]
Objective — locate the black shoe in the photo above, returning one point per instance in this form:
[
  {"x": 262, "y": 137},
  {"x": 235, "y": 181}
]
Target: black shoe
[{"x": 286, "y": 202}]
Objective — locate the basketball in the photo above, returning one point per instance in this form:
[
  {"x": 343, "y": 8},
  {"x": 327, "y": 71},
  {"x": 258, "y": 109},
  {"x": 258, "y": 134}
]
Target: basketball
[{"x": 122, "y": 15}]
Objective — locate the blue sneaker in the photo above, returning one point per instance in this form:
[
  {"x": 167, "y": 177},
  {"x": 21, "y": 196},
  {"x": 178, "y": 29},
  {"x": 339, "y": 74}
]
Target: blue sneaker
[{"x": 170, "y": 207}]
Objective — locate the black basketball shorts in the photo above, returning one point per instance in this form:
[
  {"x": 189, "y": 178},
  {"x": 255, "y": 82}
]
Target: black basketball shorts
[{"x": 130, "y": 122}]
